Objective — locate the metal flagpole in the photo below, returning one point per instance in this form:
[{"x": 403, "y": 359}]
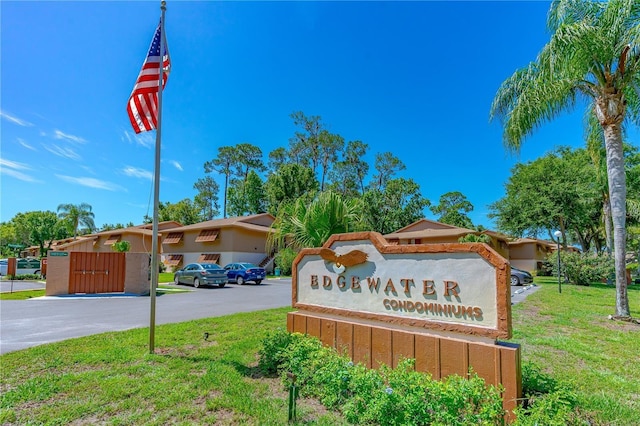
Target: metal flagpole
[{"x": 156, "y": 190}]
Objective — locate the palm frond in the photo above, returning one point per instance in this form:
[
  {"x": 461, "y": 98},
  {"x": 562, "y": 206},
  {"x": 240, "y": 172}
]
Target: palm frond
[{"x": 633, "y": 208}]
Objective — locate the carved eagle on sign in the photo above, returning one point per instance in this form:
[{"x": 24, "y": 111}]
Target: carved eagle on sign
[{"x": 341, "y": 261}]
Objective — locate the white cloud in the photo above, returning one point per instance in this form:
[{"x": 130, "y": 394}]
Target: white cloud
[
  {"x": 10, "y": 168},
  {"x": 62, "y": 152},
  {"x": 18, "y": 175},
  {"x": 25, "y": 144},
  {"x": 88, "y": 169},
  {"x": 92, "y": 183},
  {"x": 13, "y": 164},
  {"x": 15, "y": 120},
  {"x": 143, "y": 139},
  {"x": 137, "y": 173},
  {"x": 61, "y": 135},
  {"x": 176, "y": 165}
]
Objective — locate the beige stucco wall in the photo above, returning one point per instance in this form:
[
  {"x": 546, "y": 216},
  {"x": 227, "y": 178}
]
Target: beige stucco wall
[
  {"x": 527, "y": 256},
  {"x": 229, "y": 239},
  {"x": 57, "y": 275},
  {"x": 139, "y": 243},
  {"x": 86, "y": 246},
  {"x": 233, "y": 244},
  {"x": 136, "y": 274},
  {"x": 525, "y": 265},
  {"x": 136, "y": 279},
  {"x": 523, "y": 251}
]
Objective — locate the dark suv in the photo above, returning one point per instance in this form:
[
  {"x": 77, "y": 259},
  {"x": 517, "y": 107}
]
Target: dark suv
[{"x": 520, "y": 277}]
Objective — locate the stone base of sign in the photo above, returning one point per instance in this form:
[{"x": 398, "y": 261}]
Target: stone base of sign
[{"x": 441, "y": 356}]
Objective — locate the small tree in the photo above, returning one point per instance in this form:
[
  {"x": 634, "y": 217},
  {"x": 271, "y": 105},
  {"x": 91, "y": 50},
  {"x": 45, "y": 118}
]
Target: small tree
[
  {"x": 582, "y": 268},
  {"x": 284, "y": 260},
  {"x": 121, "y": 246}
]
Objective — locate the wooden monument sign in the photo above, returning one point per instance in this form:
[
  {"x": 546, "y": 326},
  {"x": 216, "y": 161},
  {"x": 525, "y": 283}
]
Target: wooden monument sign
[{"x": 445, "y": 305}]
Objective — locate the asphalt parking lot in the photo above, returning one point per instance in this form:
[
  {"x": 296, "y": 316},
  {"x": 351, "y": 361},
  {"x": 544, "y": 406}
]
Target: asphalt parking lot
[
  {"x": 17, "y": 285},
  {"x": 27, "y": 323}
]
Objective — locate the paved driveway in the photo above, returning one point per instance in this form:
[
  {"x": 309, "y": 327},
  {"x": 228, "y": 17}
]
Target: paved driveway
[
  {"x": 27, "y": 323},
  {"x": 7, "y": 286}
]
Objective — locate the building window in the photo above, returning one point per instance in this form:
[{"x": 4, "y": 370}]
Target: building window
[
  {"x": 173, "y": 259},
  {"x": 207, "y": 235},
  {"x": 209, "y": 258},
  {"x": 173, "y": 238}
]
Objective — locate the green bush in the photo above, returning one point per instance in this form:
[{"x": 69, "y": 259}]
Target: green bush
[
  {"x": 272, "y": 351},
  {"x": 582, "y": 268},
  {"x": 121, "y": 246},
  {"x": 24, "y": 277},
  {"x": 284, "y": 260},
  {"x": 546, "y": 401},
  {"x": 399, "y": 396},
  {"x": 535, "y": 382},
  {"x": 552, "y": 409},
  {"x": 546, "y": 269}
]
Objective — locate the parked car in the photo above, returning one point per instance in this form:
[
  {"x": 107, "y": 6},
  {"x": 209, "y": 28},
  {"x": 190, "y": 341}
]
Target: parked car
[
  {"x": 29, "y": 265},
  {"x": 198, "y": 274},
  {"x": 243, "y": 272},
  {"x": 520, "y": 277}
]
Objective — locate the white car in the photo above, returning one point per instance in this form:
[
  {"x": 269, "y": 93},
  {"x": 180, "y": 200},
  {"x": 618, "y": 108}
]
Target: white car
[{"x": 30, "y": 265}]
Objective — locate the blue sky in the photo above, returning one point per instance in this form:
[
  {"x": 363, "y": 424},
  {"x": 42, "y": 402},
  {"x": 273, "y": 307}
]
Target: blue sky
[{"x": 413, "y": 78}]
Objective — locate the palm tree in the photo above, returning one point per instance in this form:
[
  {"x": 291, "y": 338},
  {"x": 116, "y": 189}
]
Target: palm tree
[
  {"x": 77, "y": 215},
  {"x": 301, "y": 224},
  {"x": 593, "y": 54}
]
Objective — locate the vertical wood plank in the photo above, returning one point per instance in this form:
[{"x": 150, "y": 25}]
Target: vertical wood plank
[
  {"x": 290, "y": 317},
  {"x": 381, "y": 346},
  {"x": 452, "y": 358},
  {"x": 482, "y": 359},
  {"x": 328, "y": 332},
  {"x": 344, "y": 338},
  {"x": 427, "y": 350},
  {"x": 403, "y": 346},
  {"x": 300, "y": 324},
  {"x": 511, "y": 377},
  {"x": 362, "y": 344},
  {"x": 313, "y": 326}
]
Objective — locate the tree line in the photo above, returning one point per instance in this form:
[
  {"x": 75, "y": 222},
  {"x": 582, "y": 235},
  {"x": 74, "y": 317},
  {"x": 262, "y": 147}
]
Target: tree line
[{"x": 315, "y": 161}]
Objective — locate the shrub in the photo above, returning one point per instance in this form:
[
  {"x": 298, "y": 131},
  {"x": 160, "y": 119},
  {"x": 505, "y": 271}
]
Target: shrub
[
  {"x": 546, "y": 269},
  {"x": 284, "y": 260},
  {"x": 553, "y": 409},
  {"x": 386, "y": 396},
  {"x": 546, "y": 401},
  {"x": 121, "y": 246},
  {"x": 535, "y": 382},
  {"x": 24, "y": 277},
  {"x": 582, "y": 268},
  {"x": 272, "y": 351}
]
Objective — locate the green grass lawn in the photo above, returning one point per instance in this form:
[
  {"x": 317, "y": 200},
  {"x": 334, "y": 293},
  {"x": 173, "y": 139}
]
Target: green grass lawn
[
  {"x": 570, "y": 336},
  {"x": 22, "y": 294},
  {"x": 165, "y": 277},
  {"x": 111, "y": 378}
]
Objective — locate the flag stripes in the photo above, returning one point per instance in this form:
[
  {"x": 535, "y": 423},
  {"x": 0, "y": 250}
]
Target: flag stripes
[{"x": 143, "y": 102}]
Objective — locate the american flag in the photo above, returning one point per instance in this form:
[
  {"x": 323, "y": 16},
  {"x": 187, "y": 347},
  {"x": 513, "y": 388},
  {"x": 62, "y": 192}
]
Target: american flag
[{"x": 143, "y": 103}]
